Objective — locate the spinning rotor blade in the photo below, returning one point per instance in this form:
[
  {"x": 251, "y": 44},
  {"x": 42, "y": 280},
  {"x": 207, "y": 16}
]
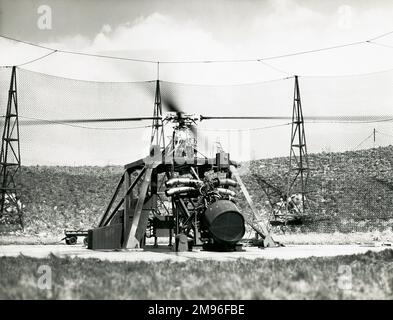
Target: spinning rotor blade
[
  {"x": 32, "y": 121},
  {"x": 170, "y": 105},
  {"x": 169, "y": 102},
  {"x": 244, "y": 118},
  {"x": 352, "y": 119}
]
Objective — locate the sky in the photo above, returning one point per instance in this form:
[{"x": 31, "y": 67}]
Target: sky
[
  {"x": 223, "y": 29},
  {"x": 215, "y": 30}
]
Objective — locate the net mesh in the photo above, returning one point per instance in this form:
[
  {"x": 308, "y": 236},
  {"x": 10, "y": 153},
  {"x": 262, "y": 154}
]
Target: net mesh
[{"x": 350, "y": 185}]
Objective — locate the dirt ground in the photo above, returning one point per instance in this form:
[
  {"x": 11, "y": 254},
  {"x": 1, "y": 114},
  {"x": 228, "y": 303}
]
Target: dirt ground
[
  {"x": 311, "y": 238},
  {"x": 163, "y": 252}
]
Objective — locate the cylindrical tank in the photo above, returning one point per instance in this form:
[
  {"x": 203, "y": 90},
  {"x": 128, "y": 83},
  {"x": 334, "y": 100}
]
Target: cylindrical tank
[{"x": 224, "y": 221}]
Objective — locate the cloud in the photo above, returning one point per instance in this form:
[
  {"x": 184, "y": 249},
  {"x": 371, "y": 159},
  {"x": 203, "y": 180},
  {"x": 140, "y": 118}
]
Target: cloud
[
  {"x": 159, "y": 33},
  {"x": 106, "y": 28},
  {"x": 154, "y": 37},
  {"x": 284, "y": 27},
  {"x": 73, "y": 42},
  {"x": 345, "y": 17}
]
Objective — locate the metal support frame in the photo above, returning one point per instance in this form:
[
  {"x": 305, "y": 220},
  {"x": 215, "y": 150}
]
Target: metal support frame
[
  {"x": 10, "y": 160},
  {"x": 140, "y": 219},
  {"x": 116, "y": 219},
  {"x": 126, "y": 228},
  {"x": 298, "y": 157},
  {"x": 104, "y": 219},
  {"x": 272, "y": 192},
  {"x": 256, "y": 224}
]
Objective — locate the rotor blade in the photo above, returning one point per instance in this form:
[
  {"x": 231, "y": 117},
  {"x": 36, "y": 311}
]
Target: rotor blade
[
  {"x": 32, "y": 121},
  {"x": 351, "y": 118},
  {"x": 244, "y": 117},
  {"x": 354, "y": 119},
  {"x": 170, "y": 103}
]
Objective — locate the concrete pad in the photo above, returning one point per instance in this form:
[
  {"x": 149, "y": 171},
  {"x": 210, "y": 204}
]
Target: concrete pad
[{"x": 164, "y": 253}]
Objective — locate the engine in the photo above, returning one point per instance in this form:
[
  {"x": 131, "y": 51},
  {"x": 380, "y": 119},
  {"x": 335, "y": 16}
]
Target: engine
[
  {"x": 224, "y": 222},
  {"x": 207, "y": 211}
]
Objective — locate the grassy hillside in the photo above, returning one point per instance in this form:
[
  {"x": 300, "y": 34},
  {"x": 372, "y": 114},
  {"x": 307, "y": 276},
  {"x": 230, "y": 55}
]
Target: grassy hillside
[
  {"x": 65, "y": 197},
  {"x": 350, "y": 191},
  {"x": 367, "y": 276}
]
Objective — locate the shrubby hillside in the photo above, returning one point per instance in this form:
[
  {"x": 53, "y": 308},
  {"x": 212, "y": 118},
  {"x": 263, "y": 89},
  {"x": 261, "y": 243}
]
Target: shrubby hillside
[
  {"x": 350, "y": 191},
  {"x": 56, "y": 198}
]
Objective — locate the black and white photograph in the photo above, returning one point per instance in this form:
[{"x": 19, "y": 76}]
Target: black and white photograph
[{"x": 196, "y": 156}]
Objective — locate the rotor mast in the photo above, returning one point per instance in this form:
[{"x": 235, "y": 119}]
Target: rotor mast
[{"x": 157, "y": 132}]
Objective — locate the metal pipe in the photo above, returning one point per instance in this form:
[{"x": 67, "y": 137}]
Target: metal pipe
[
  {"x": 187, "y": 181},
  {"x": 225, "y": 182},
  {"x": 179, "y": 190},
  {"x": 226, "y": 192}
]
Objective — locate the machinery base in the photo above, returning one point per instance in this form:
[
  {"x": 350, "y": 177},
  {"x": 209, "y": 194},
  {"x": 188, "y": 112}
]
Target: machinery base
[{"x": 222, "y": 247}]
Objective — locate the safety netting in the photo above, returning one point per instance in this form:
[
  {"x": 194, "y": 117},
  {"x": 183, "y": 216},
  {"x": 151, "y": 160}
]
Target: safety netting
[{"x": 348, "y": 127}]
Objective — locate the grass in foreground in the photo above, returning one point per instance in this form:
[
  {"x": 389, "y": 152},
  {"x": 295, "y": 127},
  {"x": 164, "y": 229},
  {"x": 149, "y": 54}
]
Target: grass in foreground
[{"x": 313, "y": 278}]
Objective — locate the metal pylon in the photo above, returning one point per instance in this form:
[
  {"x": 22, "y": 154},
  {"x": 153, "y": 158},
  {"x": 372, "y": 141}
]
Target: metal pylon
[
  {"x": 11, "y": 210},
  {"x": 298, "y": 158},
  {"x": 157, "y": 132}
]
